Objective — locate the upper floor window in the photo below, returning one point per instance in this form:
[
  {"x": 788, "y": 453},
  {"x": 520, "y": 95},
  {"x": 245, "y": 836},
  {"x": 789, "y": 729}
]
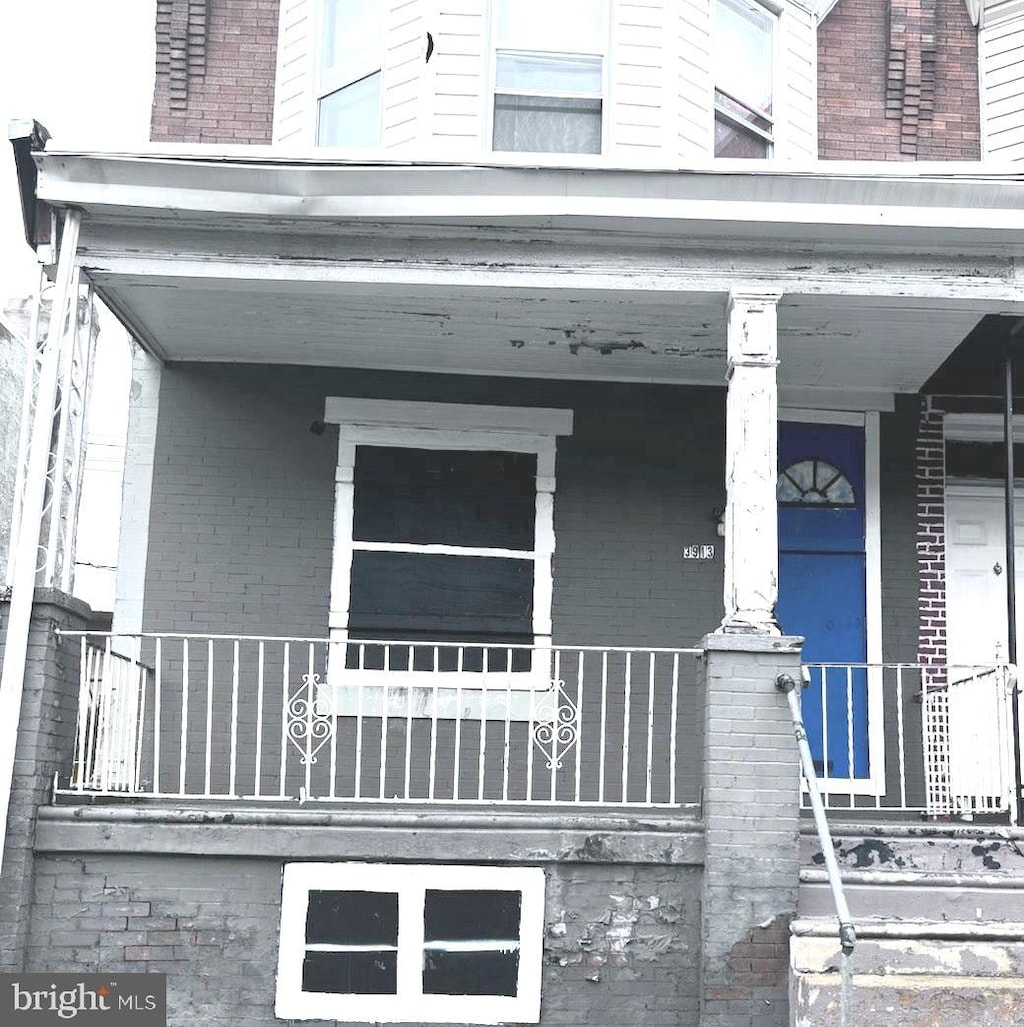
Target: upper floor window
[
  {"x": 549, "y": 76},
  {"x": 743, "y": 79},
  {"x": 348, "y": 91}
]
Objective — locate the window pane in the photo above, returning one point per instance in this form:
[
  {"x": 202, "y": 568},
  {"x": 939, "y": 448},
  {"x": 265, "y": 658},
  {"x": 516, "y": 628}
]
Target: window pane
[
  {"x": 353, "y": 36},
  {"x": 471, "y": 915},
  {"x": 534, "y": 124},
  {"x": 743, "y": 39},
  {"x": 352, "y": 918},
  {"x": 350, "y": 973},
  {"x": 733, "y": 141},
  {"x": 468, "y": 597},
  {"x": 351, "y": 116},
  {"x": 470, "y": 973},
  {"x": 549, "y": 74},
  {"x": 445, "y": 496},
  {"x": 567, "y": 26}
]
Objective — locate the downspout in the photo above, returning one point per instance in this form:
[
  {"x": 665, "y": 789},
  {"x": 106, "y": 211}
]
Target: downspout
[
  {"x": 1011, "y": 555},
  {"x": 847, "y": 933}
]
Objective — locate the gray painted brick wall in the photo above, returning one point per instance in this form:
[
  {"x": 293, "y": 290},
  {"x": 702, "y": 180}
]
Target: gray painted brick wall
[{"x": 621, "y": 941}]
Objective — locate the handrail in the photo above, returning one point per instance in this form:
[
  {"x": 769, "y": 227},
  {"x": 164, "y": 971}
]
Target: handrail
[{"x": 847, "y": 933}]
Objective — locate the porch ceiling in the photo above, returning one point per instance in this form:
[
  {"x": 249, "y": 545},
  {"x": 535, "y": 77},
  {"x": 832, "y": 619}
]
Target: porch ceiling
[{"x": 843, "y": 343}]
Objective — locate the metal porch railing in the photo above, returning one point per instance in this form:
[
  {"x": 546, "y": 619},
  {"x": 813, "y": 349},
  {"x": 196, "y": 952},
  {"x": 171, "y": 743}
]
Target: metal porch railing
[
  {"x": 934, "y": 740},
  {"x": 233, "y": 717}
]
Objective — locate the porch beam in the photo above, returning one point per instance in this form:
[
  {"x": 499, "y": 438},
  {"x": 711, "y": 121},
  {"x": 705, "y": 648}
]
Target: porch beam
[
  {"x": 965, "y": 284},
  {"x": 751, "y": 456}
]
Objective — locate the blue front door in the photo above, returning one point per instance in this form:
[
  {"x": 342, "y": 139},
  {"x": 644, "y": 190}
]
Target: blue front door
[{"x": 822, "y": 584}]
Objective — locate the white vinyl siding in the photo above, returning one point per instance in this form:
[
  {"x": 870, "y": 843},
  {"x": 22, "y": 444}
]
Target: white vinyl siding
[
  {"x": 1001, "y": 53},
  {"x": 638, "y": 88},
  {"x": 461, "y": 81},
  {"x": 404, "y": 74},
  {"x": 796, "y": 115},
  {"x": 695, "y": 120}
]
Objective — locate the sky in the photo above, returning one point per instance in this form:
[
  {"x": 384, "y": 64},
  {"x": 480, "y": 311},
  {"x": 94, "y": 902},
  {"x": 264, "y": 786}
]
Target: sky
[{"x": 84, "y": 69}]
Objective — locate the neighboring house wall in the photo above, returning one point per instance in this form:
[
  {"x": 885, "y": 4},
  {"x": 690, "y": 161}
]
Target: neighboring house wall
[
  {"x": 214, "y": 71},
  {"x": 1001, "y": 42},
  {"x": 898, "y": 81}
]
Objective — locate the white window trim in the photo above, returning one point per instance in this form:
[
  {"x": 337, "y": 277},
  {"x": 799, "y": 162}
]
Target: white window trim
[
  {"x": 774, "y": 14},
  {"x": 410, "y": 882},
  {"x": 440, "y": 426}
]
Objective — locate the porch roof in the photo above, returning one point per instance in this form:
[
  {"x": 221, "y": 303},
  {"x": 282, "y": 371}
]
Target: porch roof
[{"x": 578, "y": 271}]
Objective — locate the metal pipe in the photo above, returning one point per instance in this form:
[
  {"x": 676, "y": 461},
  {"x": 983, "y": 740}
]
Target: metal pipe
[
  {"x": 1011, "y": 570},
  {"x": 847, "y": 934}
]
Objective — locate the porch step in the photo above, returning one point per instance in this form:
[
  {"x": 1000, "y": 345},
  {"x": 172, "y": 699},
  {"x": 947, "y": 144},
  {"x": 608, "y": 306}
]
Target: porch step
[{"x": 909, "y": 972}]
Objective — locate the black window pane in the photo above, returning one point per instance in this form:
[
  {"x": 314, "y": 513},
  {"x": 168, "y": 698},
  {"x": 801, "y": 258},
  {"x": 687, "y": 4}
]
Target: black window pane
[
  {"x": 471, "y": 915},
  {"x": 470, "y": 973},
  {"x": 452, "y": 497},
  {"x": 733, "y": 141},
  {"x": 350, "y": 973},
  {"x": 352, "y": 918},
  {"x": 473, "y": 659},
  {"x": 468, "y": 597}
]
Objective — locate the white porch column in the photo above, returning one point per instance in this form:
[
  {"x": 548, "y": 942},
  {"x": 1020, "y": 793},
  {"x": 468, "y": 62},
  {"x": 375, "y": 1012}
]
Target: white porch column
[{"x": 751, "y": 455}]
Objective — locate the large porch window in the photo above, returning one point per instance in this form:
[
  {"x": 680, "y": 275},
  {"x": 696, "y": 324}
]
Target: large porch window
[{"x": 444, "y": 536}]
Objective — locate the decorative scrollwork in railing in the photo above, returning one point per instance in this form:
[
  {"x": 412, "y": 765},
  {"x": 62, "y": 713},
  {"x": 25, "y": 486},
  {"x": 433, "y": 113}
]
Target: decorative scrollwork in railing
[
  {"x": 557, "y": 726},
  {"x": 310, "y": 721}
]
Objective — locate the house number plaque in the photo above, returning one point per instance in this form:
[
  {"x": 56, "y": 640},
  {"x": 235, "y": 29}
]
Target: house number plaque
[{"x": 703, "y": 552}]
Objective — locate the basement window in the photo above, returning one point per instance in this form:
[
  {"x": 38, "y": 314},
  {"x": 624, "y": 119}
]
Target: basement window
[{"x": 405, "y": 943}]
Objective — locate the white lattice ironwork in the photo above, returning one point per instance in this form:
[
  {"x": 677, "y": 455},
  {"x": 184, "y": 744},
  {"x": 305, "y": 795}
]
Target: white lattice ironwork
[
  {"x": 935, "y": 738},
  {"x": 556, "y": 732},
  {"x": 310, "y": 721}
]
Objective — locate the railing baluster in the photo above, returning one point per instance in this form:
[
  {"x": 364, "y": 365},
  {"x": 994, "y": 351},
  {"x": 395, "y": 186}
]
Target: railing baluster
[
  {"x": 672, "y": 731},
  {"x": 580, "y": 655},
  {"x": 361, "y": 664},
  {"x": 84, "y": 716},
  {"x": 507, "y": 752},
  {"x": 157, "y": 711},
  {"x": 650, "y": 721},
  {"x": 531, "y": 728},
  {"x": 432, "y": 780},
  {"x": 139, "y": 721},
  {"x": 604, "y": 725},
  {"x": 311, "y": 712},
  {"x": 460, "y": 664},
  {"x": 332, "y": 791},
  {"x": 408, "y": 725},
  {"x": 384, "y": 704},
  {"x": 627, "y": 701},
  {"x": 260, "y": 671},
  {"x": 233, "y": 767},
  {"x": 825, "y": 746},
  {"x": 482, "y": 741},
  {"x": 558, "y": 686},
  {"x": 184, "y": 716},
  {"x": 286, "y": 671},
  {"x": 899, "y": 731},
  {"x": 209, "y": 717}
]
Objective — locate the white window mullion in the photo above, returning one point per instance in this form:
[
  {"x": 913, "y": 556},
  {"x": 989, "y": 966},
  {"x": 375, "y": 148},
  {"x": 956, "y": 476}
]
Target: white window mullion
[{"x": 411, "y": 899}]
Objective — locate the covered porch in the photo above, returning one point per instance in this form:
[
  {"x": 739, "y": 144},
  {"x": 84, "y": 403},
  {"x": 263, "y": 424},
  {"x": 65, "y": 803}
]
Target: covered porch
[{"x": 678, "y": 338}]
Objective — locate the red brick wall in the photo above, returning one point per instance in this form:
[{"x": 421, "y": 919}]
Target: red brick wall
[
  {"x": 931, "y": 538},
  {"x": 898, "y": 80},
  {"x": 215, "y": 62}
]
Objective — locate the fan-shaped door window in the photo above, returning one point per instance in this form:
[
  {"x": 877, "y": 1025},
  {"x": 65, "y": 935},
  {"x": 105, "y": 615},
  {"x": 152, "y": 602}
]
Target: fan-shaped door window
[{"x": 814, "y": 482}]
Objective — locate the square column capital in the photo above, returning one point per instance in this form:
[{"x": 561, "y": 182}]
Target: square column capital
[{"x": 753, "y": 326}]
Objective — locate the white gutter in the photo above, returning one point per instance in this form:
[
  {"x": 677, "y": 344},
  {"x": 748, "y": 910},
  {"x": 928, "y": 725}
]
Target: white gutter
[{"x": 942, "y": 198}]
